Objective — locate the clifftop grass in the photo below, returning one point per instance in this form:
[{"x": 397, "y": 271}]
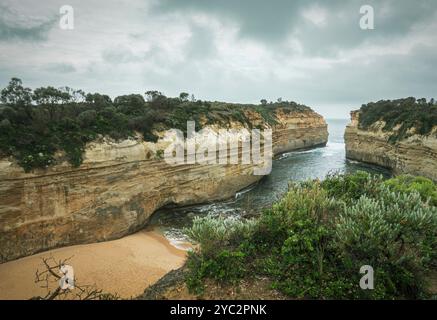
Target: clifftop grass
[
  {"x": 406, "y": 113},
  {"x": 36, "y": 124}
]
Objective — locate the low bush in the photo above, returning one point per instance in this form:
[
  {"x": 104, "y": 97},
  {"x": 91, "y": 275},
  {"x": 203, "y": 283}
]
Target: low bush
[
  {"x": 211, "y": 233},
  {"x": 226, "y": 266},
  {"x": 408, "y": 184},
  {"x": 402, "y": 115},
  {"x": 218, "y": 259},
  {"x": 313, "y": 242},
  {"x": 351, "y": 187},
  {"x": 396, "y": 234}
]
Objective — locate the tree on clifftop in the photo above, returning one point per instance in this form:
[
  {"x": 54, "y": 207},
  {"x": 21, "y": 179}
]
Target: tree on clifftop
[{"x": 15, "y": 94}]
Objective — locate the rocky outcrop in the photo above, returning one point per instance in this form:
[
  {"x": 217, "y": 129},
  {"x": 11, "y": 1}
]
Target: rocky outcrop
[
  {"x": 118, "y": 187},
  {"x": 415, "y": 155}
]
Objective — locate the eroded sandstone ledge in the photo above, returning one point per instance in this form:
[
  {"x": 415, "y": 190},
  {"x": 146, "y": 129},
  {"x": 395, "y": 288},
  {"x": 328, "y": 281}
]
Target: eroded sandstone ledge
[
  {"x": 118, "y": 187},
  {"x": 415, "y": 155}
]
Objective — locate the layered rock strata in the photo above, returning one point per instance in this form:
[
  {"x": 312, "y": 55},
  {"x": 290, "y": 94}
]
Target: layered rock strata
[
  {"x": 118, "y": 187},
  {"x": 415, "y": 155}
]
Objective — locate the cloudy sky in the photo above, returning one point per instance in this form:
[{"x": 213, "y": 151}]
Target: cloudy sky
[{"x": 312, "y": 52}]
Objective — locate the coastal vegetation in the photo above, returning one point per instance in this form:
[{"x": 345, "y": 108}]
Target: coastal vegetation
[
  {"x": 400, "y": 116},
  {"x": 314, "y": 240},
  {"x": 36, "y": 124}
]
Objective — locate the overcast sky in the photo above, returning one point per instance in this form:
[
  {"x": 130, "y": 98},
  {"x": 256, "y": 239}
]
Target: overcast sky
[{"x": 312, "y": 52}]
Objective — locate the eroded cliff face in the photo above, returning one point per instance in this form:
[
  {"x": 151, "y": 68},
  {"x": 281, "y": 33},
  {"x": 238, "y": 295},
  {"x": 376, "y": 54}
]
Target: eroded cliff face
[
  {"x": 118, "y": 187},
  {"x": 415, "y": 155}
]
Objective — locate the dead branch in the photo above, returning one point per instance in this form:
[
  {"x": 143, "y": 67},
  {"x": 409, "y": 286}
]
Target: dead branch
[{"x": 49, "y": 279}]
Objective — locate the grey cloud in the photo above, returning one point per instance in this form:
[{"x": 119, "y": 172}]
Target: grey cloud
[
  {"x": 393, "y": 20},
  {"x": 135, "y": 52},
  {"x": 16, "y": 27},
  {"x": 389, "y": 77},
  {"x": 271, "y": 22},
  {"x": 60, "y": 68},
  {"x": 119, "y": 55},
  {"x": 258, "y": 18},
  {"x": 201, "y": 44}
]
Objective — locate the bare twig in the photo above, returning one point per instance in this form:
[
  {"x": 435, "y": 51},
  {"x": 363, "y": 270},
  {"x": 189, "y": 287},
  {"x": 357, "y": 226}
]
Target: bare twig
[{"x": 51, "y": 274}]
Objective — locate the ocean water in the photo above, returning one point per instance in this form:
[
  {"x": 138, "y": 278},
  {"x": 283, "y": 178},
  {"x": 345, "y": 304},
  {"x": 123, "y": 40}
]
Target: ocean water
[{"x": 291, "y": 166}]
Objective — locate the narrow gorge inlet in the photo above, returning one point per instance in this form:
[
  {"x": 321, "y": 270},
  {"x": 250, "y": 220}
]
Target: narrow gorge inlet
[
  {"x": 222, "y": 153},
  {"x": 302, "y": 164}
]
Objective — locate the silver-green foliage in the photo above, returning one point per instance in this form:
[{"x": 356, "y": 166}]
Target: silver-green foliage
[
  {"x": 391, "y": 216},
  {"x": 212, "y": 232},
  {"x": 395, "y": 232},
  {"x": 314, "y": 240}
]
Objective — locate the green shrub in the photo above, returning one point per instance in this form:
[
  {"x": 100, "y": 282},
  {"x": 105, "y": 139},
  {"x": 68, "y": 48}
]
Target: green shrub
[
  {"x": 313, "y": 242},
  {"x": 300, "y": 204},
  {"x": 218, "y": 259},
  {"x": 405, "y": 113},
  {"x": 408, "y": 183},
  {"x": 396, "y": 234},
  {"x": 66, "y": 120},
  {"x": 225, "y": 267},
  {"x": 210, "y": 232},
  {"x": 301, "y": 226},
  {"x": 267, "y": 114},
  {"x": 159, "y": 154},
  {"x": 351, "y": 187}
]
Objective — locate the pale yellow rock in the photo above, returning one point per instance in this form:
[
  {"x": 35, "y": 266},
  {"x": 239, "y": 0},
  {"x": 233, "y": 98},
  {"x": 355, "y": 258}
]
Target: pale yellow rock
[
  {"x": 118, "y": 187},
  {"x": 415, "y": 155}
]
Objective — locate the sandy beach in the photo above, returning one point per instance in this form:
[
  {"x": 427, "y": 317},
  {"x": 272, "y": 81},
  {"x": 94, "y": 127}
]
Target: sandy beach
[{"x": 125, "y": 266}]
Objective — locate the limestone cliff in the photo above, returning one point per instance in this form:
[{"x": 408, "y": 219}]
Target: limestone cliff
[
  {"x": 118, "y": 187},
  {"x": 416, "y": 154}
]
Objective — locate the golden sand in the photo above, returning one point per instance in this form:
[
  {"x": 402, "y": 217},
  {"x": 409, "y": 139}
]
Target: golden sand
[{"x": 125, "y": 266}]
